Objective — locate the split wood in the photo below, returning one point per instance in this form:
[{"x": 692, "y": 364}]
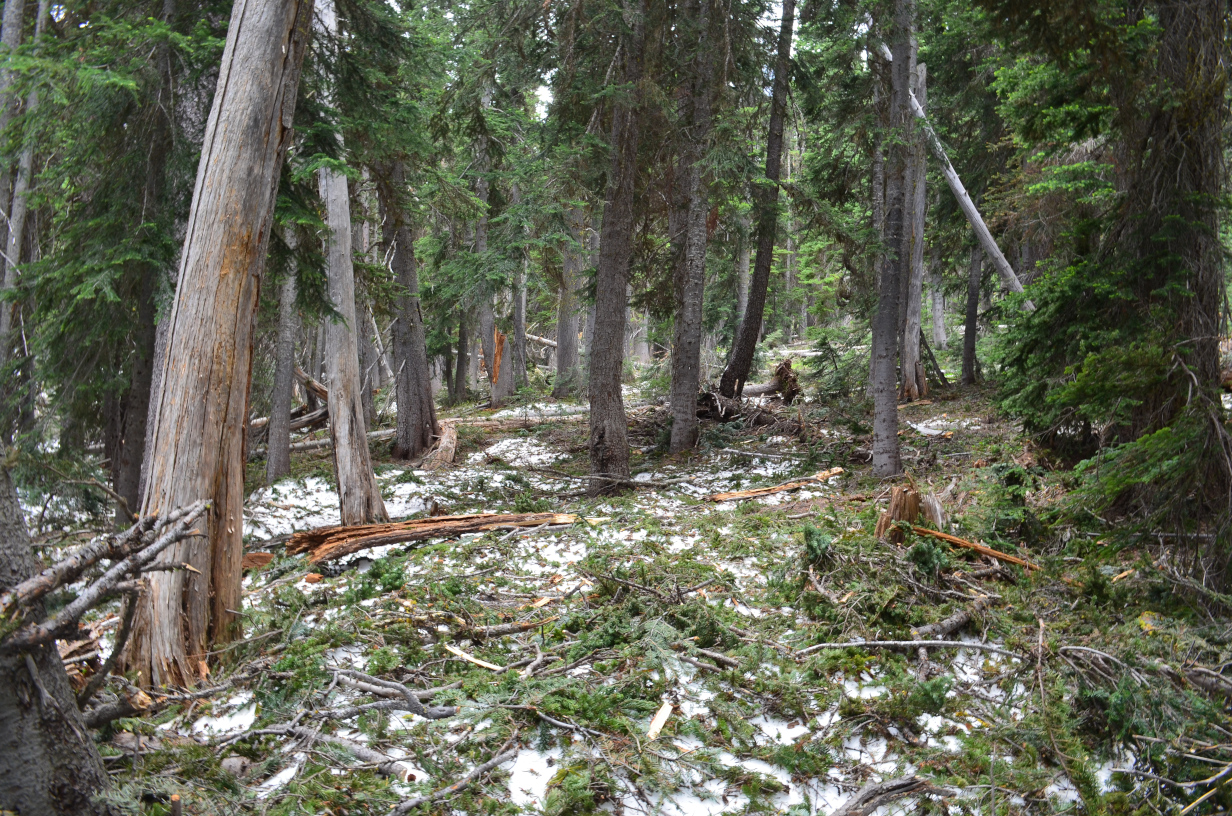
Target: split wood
[
  {"x": 970, "y": 545},
  {"x": 739, "y": 495},
  {"x": 329, "y": 543}
]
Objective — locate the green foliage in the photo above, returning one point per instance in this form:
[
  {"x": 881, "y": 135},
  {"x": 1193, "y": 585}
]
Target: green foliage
[
  {"x": 816, "y": 545},
  {"x": 929, "y": 556}
]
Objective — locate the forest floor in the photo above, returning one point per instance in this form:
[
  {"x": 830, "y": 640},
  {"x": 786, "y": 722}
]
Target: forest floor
[{"x": 659, "y": 597}]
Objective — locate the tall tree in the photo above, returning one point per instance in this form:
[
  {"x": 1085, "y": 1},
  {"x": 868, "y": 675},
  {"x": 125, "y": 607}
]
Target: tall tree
[
  {"x": 766, "y": 199},
  {"x": 567, "y": 307},
  {"x": 197, "y": 448},
  {"x": 896, "y": 261},
  {"x": 412, "y": 379},
  {"x": 609, "y": 429},
  {"x": 278, "y": 436},
  {"x": 691, "y": 272},
  {"x": 914, "y": 383},
  {"x": 975, "y": 274}
]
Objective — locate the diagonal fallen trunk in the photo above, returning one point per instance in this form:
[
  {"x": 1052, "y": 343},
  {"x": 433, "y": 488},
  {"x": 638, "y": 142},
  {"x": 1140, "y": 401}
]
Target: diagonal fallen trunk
[
  {"x": 329, "y": 543},
  {"x": 738, "y": 495},
  {"x": 784, "y": 382}
]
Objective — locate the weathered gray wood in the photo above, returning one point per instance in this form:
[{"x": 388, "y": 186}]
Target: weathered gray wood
[
  {"x": 278, "y": 461},
  {"x": 359, "y": 497},
  {"x": 914, "y": 383},
  {"x": 197, "y": 444}
]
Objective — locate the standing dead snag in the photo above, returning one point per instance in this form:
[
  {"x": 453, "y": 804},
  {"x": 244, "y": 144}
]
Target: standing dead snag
[{"x": 197, "y": 442}]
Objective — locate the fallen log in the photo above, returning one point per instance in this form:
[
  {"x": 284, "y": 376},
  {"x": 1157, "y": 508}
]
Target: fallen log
[
  {"x": 971, "y": 545},
  {"x": 784, "y": 382},
  {"x": 298, "y": 423},
  {"x": 318, "y": 390},
  {"x": 329, "y": 543},
  {"x": 739, "y": 495},
  {"x": 543, "y": 341}
]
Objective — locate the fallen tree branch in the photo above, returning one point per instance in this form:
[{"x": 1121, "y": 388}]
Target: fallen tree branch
[
  {"x": 970, "y": 545},
  {"x": 739, "y": 495},
  {"x": 329, "y": 543},
  {"x": 909, "y": 644},
  {"x": 408, "y": 805},
  {"x": 875, "y": 794}
]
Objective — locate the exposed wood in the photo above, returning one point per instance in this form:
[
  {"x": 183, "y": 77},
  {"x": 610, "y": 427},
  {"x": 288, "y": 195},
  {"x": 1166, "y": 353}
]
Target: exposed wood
[
  {"x": 950, "y": 625},
  {"x": 197, "y": 443},
  {"x": 979, "y": 548},
  {"x": 933, "y": 512},
  {"x": 329, "y": 543},
  {"x": 256, "y": 560},
  {"x": 543, "y": 341},
  {"x": 904, "y": 506},
  {"x": 740, "y": 495},
  {"x": 445, "y": 450}
]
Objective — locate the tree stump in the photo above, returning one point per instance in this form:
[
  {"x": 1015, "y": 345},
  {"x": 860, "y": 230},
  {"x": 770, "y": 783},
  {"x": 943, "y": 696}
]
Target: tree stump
[{"x": 904, "y": 506}]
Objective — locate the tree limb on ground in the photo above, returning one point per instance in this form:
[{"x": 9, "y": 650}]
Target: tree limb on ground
[
  {"x": 971, "y": 545},
  {"x": 329, "y": 543},
  {"x": 740, "y": 495},
  {"x": 875, "y": 794}
]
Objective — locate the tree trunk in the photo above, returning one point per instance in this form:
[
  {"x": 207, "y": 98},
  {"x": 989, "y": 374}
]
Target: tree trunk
[
  {"x": 278, "y": 444},
  {"x": 464, "y": 360},
  {"x": 938, "y": 306},
  {"x": 197, "y": 448},
  {"x": 914, "y": 382},
  {"x": 609, "y": 430},
  {"x": 973, "y": 305},
  {"x": 519, "y": 324},
  {"x": 412, "y": 379},
  {"x": 10, "y": 37},
  {"x": 136, "y": 413},
  {"x": 21, "y": 189},
  {"x": 766, "y": 198},
  {"x": 48, "y": 762},
  {"x": 568, "y": 375},
  {"x": 886, "y": 461},
  {"x": 359, "y": 498},
  {"x": 743, "y": 254},
  {"x": 690, "y": 285},
  {"x": 369, "y": 365}
]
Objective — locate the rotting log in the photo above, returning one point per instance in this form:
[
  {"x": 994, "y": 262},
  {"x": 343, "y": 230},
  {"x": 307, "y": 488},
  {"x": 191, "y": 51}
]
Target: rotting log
[
  {"x": 329, "y": 543},
  {"x": 445, "y": 450}
]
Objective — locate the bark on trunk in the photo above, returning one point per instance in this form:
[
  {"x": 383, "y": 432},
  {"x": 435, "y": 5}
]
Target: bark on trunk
[
  {"x": 412, "y": 379},
  {"x": 197, "y": 446},
  {"x": 973, "y": 305},
  {"x": 568, "y": 374},
  {"x": 766, "y": 198},
  {"x": 21, "y": 189},
  {"x": 690, "y": 284},
  {"x": 278, "y": 445},
  {"x": 369, "y": 365},
  {"x": 359, "y": 498},
  {"x": 609, "y": 430},
  {"x": 10, "y": 38},
  {"x": 938, "y": 304},
  {"x": 914, "y": 382},
  {"x": 48, "y": 762},
  {"x": 463, "y": 361},
  {"x": 136, "y": 413},
  {"x": 744, "y": 253},
  {"x": 886, "y": 461}
]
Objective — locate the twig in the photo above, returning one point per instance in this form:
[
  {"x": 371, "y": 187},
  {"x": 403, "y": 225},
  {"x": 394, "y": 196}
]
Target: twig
[
  {"x": 909, "y": 644},
  {"x": 410, "y": 804},
  {"x": 100, "y": 677}
]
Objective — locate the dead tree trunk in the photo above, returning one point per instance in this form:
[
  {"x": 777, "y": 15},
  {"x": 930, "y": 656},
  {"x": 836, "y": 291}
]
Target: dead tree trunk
[
  {"x": 48, "y": 762},
  {"x": 886, "y": 461},
  {"x": 278, "y": 445},
  {"x": 937, "y": 293},
  {"x": 974, "y": 274},
  {"x": 766, "y": 199},
  {"x": 743, "y": 255},
  {"x": 609, "y": 430},
  {"x": 412, "y": 379},
  {"x": 690, "y": 285},
  {"x": 914, "y": 382},
  {"x": 463, "y": 360},
  {"x": 359, "y": 498},
  {"x": 197, "y": 447},
  {"x": 568, "y": 374}
]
